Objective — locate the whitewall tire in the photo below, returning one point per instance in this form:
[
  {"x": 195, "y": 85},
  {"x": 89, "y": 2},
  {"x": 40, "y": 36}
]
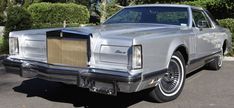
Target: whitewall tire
[{"x": 171, "y": 84}]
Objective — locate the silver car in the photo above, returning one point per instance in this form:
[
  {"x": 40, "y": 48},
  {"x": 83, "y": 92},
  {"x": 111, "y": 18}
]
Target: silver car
[{"x": 141, "y": 47}]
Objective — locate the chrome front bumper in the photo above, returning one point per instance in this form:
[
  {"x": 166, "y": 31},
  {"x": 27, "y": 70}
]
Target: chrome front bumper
[
  {"x": 96, "y": 80},
  {"x": 108, "y": 81}
]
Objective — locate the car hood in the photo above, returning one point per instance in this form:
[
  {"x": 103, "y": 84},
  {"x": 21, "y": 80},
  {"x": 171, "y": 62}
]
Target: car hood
[
  {"x": 32, "y": 43},
  {"x": 105, "y": 31},
  {"x": 129, "y": 30}
]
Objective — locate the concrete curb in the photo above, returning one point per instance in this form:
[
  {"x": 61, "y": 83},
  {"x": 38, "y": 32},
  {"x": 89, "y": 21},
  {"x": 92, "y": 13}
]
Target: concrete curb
[{"x": 228, "y": 58}]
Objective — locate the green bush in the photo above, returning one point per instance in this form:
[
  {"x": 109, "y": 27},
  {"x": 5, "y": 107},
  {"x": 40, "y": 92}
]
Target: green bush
[
  {"x": 228, "y": 23},
  {"x": 57, "y": 13},
  {"x": 219, "y": 8},
  {"x": 3, "y": 45},
  {"x": 17, "y": 19}
]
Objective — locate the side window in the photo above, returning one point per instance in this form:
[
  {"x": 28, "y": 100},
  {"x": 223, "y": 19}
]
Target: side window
[
  {"x": 176, "y": 18},
  {"x": 200, "y": 19}
]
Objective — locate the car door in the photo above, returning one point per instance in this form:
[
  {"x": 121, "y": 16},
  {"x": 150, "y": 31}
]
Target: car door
[
  {"x": 216, "y": 32},
  {"x": 203, "y": 33}
]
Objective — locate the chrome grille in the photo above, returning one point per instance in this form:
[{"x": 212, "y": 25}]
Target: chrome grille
[{"x": 67, "y": 51}]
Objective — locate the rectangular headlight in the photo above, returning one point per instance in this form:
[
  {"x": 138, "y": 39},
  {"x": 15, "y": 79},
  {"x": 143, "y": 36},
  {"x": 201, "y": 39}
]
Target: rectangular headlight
[
  {"x": 13, "y": 45},
  {"x": 137, "y": 57}
]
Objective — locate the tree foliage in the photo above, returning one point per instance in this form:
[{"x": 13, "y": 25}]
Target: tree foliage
[
  {"x": 3, "y": 5},
  {"x": 219, "y": 8}
]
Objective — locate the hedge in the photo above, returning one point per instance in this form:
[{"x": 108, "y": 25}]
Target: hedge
[
  {"x": 57, "y": 13},
  {"x": 228, "y": 23},
  {"x": 219, "y": 8},
  {"x": 18, "y": 18}
]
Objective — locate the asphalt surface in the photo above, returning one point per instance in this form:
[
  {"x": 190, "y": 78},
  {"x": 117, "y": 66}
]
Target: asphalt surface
[{"x": 203, "y": 89}]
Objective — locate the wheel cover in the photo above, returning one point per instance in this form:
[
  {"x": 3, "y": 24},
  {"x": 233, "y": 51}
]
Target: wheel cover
[{"x": 172, "y": 81}]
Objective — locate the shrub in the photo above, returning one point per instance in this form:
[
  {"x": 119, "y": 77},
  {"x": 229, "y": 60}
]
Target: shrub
[
  {"x": 57, "y": 13},
  {"x": 228, "y": 23},
  {"x": 3, "y": 46},
  {"x": 17, "y": 19},
  {"x": 219, "y": 8}
]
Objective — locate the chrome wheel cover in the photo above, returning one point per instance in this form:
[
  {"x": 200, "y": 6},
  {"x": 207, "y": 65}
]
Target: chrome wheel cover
[{"x": 171, "y": 82}]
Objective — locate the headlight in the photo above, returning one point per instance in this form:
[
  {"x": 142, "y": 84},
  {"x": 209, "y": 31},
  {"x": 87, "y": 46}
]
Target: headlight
[
  {"x": 13, "y": 45},
  {"x": 137, "y": 57}
]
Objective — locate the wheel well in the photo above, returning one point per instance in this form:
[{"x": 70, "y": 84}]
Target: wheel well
[
  {"x": 224, "y": 46},
  {"x": 184, "y": 52}
]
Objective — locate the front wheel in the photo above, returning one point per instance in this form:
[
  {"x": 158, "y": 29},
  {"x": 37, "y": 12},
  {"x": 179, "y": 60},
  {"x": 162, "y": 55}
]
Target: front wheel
[{"x": 171, "y": 84}]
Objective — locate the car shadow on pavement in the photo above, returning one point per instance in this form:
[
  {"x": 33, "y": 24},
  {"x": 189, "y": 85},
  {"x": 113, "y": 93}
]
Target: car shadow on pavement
[
  {"x": 195, "y": 72},
  {"x": 58, "y": 92},
  {"x": 79, "y": 97}
]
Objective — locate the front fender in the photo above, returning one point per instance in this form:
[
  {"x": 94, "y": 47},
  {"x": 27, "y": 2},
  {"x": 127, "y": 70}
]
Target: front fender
[
  {"x": 174, "y": 45},
  {"x": 157, "y": 51}
]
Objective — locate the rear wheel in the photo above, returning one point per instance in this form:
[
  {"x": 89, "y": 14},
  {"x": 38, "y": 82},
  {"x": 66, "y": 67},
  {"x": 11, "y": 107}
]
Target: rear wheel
[
  {"x": 217, "y": 63},
  {"x": 171, "y": 84}
]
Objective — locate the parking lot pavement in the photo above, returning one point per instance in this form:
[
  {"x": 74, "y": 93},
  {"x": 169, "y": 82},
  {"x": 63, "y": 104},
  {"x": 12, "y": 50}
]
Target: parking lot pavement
[{"x": 203, "y": 89}]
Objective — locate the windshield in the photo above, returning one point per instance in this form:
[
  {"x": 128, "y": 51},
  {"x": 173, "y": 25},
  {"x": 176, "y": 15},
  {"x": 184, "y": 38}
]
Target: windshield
[{"x": 159, "y": 15}]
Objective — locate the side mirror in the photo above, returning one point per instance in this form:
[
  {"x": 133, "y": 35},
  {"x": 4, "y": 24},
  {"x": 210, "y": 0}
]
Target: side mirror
[{"x": 202, "y": 24}]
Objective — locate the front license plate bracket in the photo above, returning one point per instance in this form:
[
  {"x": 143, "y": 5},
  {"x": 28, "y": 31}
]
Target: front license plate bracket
[{"x": 108, "y": 88}]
